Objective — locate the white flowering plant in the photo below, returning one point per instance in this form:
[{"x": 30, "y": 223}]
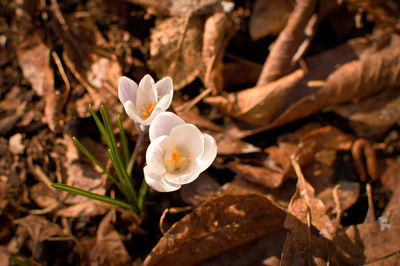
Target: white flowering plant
[{"x": 178, "y": 152}]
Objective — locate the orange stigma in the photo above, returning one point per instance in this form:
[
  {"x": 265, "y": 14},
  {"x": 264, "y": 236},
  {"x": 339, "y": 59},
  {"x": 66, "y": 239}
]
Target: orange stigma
[
  {"x": 147, "y": 111},
  {"x": 176, "y": 158}
]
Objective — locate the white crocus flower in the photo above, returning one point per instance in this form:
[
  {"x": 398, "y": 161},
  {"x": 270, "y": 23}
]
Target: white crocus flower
[
  {"x": 177, "y": 154},
  {"x": 144, "y": 102}
]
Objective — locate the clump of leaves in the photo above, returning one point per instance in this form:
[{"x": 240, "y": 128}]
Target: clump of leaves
[{"x": 122, "y": 164}]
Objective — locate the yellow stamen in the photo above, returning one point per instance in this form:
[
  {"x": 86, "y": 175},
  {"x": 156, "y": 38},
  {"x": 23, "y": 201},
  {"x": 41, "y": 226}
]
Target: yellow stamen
[
  {"x": 147, "y": 111},
  {"x": 176, "y": 159}
]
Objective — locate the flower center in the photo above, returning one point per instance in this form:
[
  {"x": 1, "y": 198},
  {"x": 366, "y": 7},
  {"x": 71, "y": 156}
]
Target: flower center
[
  {"x": 176, "y": 159},
  {"x": 148, "y": 109}
]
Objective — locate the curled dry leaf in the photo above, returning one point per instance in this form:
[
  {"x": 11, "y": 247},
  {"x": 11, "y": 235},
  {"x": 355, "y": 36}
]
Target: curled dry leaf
[
  {"x": 305, "y": 245},
  {"x": 269, "y": 17},
  {"x": 217, "y": 226},
  {"x": 278, "y": 62},
  {"x": 296, "y": 96},
  {"x": 177, "y": 43}
]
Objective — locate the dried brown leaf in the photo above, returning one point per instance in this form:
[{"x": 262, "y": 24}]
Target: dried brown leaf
[
  {"x": 34, "y": 59},
  {"x": 83, "y": 175},
  {"x": 257, "y": 174},
  {"x": 310, "y": 230},
  {"x": 165, "y": 56},
  {"x": 215, "y": 227},
  {"x": 4, "y": 254},
  {"x": 177, "y": 43},
  {"x": 269, "y": 17},
  {"x": 179, "y": 8},
  {"x": 37, "y": 229},
  {"x": 374, "y": 115},
  {"x": 278, "y": 62},
  {"x": 295, "y": 96},
  {"x": 110, "y": 247},
  {"x": 380, "y": 239},
  {"x": 229, "y": 145},
  {"x": 390, "y": 179},
  {"x": 199, "y": 191}
]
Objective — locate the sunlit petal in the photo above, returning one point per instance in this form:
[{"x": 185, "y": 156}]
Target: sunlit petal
[
  {"x": 155, "y": 154},
  {"x": 163, "y": 124},
  {"x": 131, "y": 112},
  {"x": 165, "y": 87},
  {"x": 147, "y": 92},
  {"x": 210, "y": 152},
  {"x": 127, "y": 90},
  {"x": 157, "y": 182},
  {"x": 189, "y": 138}
]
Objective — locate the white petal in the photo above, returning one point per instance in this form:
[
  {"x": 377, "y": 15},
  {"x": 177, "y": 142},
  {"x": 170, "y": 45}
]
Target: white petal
[
  {"x": 127, "y": 90},
  {"x": 147, "y": 92},
  {"x": 209, "y": 154},
  {"x": 189, "y": 140},
  {"x": 158, "y": 182},
  {"x": 131, "y": 111},
  {"x": 164, "y": 101},
  {"x": 165, "y": 87},
  {"x": 155, "y": 154},
  {"x": 163, "y": 124},
  {"x": 190, "y": 174}
]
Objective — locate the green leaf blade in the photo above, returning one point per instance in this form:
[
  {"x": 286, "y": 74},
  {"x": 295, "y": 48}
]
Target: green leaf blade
[{"x": 92, "y": 195}]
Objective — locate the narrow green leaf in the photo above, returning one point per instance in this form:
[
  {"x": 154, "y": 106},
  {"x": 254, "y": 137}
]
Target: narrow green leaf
[
  {"x": 92, "y": 158},
  {"x": 91, "y": 195},
  {"x": 142, "y": 194},
  {"x": 108, "y": 128},
  {"x": 117, "y": 162},
  {"x": 17, "y": 261},
  {"x": 124, "y": 141},
  {"x": 128, "y": 191},
  {"x": 101, "y": 127}
]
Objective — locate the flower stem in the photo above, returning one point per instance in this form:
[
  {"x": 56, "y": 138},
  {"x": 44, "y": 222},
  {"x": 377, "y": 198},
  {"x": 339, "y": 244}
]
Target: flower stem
[{"x": 132, "y": 159}]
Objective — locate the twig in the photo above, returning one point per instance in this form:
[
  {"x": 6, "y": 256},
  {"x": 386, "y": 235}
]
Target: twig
[
  {"x": 61, "y": 70},
  {"x": 171, "y": 210},
  {"x": 371, "y": 210},
  {"x": 187, "y": 106},
  {"x": 338, "y": 207}
]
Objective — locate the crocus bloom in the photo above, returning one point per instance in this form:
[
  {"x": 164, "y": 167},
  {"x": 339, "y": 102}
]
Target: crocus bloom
[
  {"x": 177, "y": 154},
  {"x": 144, "y": 102}
]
